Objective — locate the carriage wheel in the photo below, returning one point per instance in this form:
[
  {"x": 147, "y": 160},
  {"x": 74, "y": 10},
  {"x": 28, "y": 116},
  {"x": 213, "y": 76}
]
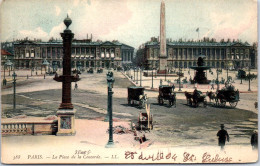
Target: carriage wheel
[
  {"x": 205, "y": 103},
  {"x": 233, "y": 104},
  {"x": 217, "y": 102},
  {"x": 222, "y": 103},
  {"x": 174, "y": 103},
  {"x": 170, "y": 102},
  {"x": 190, "y": 102},
  {"x": 159, "y": 100}
]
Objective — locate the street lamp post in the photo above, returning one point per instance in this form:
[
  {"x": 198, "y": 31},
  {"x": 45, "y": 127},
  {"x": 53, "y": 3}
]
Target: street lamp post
[
  {"x": 179, "y": 78},
  {"x": 110, "y": 82},
  {"x": 134, "y": 73},
  {"x": 227, "y": 73},
  {"x": 218, "y": 71},
  {"x": 14, "y": 82},
  {"x": 141, "y": 76},
  {"x": 152, "y": 77},
  {"x": 165, "y": 73},
  {"x": 137, "y": 75},
  {"x": 249, "y": 79},
  {"x": 9, "y": 64},
  {"x": 45, "y": 63}
]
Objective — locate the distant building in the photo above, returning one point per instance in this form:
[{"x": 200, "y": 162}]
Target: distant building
[
  {"x": 232, "y": 54},
  {"x": 5, "y": 55},
  {"x": 85, "y": 53}
]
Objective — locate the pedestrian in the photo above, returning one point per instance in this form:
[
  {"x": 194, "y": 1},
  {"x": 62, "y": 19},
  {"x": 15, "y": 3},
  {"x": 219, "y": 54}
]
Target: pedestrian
[
  {"x": 254, "y": 140},
  {"x": 173, "y": 87},
  {"x": 160, "y": 81},
  {"x": 212, "y": 86},
  {"x": 4, "y": 82},
  {"x": 256, "y": 105},
  {"x": 44, "y": 76},
  {"x": 27, "y": 76},
  {"x": 76, "y": 86},
  {"x": 222, "y": 136}
]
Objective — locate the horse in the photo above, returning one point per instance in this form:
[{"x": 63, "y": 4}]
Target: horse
[
  {"x": 211, "y": 95},
  {"x": 188, "y": 97},
  {"x": 198, "y": 98}
]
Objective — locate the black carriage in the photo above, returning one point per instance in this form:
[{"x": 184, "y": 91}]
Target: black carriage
[
  {"x": 91, "y": 71},
  {"x": 99, "y": 70},
  {"x": 166, "y": 93},
  {"x": 75, "y": 71},
  {"x": 227, "y": 94},
  {"x": 195, "y": 98},
  {"x": 136, "y": 93},
  {"x": 145, "y": 121}
]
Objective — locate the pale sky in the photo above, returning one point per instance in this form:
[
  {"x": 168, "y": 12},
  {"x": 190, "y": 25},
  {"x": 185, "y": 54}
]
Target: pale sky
[{"x": 132, "y": 22}]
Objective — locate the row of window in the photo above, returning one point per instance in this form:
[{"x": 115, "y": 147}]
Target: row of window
[
  {"x": 197, "y": 51},
  {"x": 189, "y": 64}
]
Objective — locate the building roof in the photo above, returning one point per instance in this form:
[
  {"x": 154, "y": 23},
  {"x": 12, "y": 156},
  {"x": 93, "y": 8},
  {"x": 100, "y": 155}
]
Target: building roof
[
  {"x": 78, "y": 43},
  {"x": 4, "y": 52},
  {"x": 205, "y": 44}
]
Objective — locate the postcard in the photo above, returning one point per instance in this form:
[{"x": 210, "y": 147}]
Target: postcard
[{"x": 129, "y": 82}]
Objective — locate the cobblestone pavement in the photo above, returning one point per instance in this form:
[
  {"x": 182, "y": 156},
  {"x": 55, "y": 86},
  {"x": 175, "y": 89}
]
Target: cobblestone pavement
[{"x": 183, "y": 125}]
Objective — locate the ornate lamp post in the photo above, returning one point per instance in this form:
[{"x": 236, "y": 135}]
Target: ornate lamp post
[
  {"x": 179, "y": 78},
  {"x": 9, "y": 64},
  {"x": 165, "y": 73},
  {"x": 32, "y": 70},
  {"x": 14, "y": 82},
  {"x": 218, "y": 71},
  {"x": 141, "y": 76},
  {"x": 137, "y": 70},
  {"x": 249, "y": 78},
  {"x": 134, "y": 73},
  {"x": 45, "y": 63},
  {"x": 66, "y": 112},
  {"x": 152, "y": 77},
  {"x": 110, "y": 82},
  {"x": 227, "y": 73}
]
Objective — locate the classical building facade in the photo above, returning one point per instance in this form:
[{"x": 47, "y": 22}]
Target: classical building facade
[
  {"x": 85, "y": 53},
  {"x": 233, "y": 54}
]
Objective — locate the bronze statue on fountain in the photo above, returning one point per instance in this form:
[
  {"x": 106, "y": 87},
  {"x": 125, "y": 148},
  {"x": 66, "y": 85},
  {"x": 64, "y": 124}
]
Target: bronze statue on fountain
[{"x": 200, "y": 75}]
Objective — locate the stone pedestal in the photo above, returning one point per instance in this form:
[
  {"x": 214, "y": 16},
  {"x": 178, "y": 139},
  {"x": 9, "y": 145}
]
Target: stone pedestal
[
  {"x": 162, "y": 65},
  {"x": 66, "y": 122}
]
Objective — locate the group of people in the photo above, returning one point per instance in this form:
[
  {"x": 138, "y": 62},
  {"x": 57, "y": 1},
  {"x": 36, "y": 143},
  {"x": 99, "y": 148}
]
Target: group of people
[{"x": 223, "y": 137}]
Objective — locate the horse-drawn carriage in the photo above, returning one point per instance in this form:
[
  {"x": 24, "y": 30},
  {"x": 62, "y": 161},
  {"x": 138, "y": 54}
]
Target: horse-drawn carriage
[
  {"x": 75, "y": 71},
  {"x": 99, "y": 70},
  {"x": 195, "y": 98},
  {"x": 227, "y": 94},
  {"x": 136, "y": 93},
  {"x": 91, "y": 71},
  {"x": 166, "y": 93}
]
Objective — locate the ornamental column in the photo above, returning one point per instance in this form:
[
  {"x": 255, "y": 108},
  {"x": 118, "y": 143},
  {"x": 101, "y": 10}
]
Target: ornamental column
[{"x": 66, "y": 113}]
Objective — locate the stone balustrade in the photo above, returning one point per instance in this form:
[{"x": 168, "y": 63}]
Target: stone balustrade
[{"x": 28, "y": 126}]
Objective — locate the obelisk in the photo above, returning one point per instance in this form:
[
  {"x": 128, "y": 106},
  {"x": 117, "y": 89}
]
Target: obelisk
[{"x": 163, "y": 55}]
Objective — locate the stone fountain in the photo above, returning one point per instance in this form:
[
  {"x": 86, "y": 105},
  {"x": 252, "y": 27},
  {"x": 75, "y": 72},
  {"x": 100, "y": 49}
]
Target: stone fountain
[{"x": 200, "y": 75}]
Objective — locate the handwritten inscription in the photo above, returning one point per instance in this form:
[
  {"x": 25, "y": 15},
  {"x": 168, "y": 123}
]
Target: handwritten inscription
[
  {"x": 208, "y": 158},
  {"x": 152, "y": 157}
]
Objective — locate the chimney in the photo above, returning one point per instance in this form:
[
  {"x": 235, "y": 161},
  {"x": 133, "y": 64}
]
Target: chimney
[{"x": 87, "y": 35}]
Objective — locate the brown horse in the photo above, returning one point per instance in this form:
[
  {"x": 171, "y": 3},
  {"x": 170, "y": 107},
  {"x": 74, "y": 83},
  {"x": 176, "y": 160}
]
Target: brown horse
[{"x": 188, "y": 97}]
